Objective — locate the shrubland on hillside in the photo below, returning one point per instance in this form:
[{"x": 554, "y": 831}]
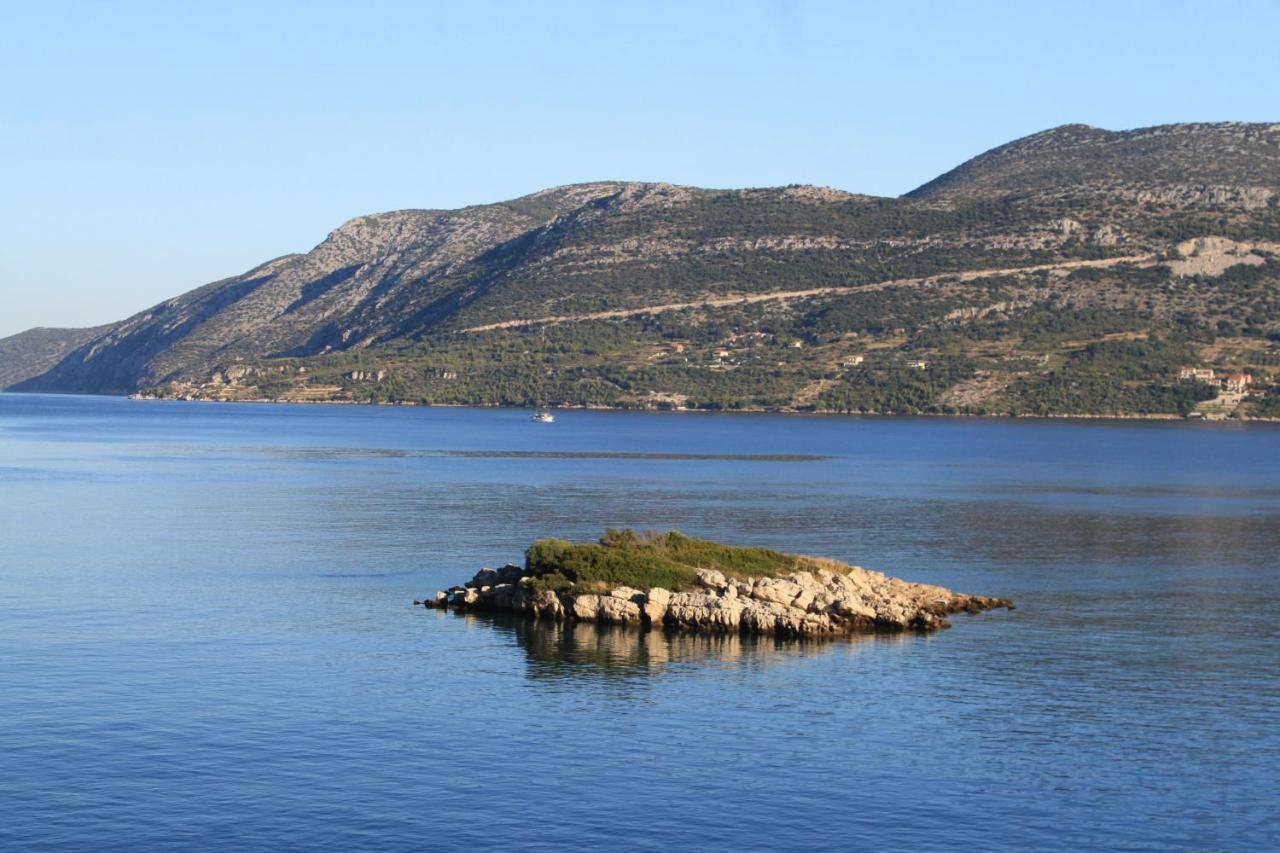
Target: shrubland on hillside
[{"x": 1074, "y": 271}]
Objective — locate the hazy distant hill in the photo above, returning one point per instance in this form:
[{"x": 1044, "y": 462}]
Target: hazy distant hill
[
  {"x": 34, "y": 351},
  {"x": 1047, "y": 275}
]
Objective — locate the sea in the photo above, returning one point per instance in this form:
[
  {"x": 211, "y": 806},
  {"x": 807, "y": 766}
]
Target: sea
[{"x": 208, "y": 637}]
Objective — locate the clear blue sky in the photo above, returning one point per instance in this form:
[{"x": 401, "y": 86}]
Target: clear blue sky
[{"x": 147, "y": 148}]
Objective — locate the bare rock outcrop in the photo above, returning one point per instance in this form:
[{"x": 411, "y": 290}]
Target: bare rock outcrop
[
  {"x": 826, "y": 600},
  {"x": 1212, "y": 256}
]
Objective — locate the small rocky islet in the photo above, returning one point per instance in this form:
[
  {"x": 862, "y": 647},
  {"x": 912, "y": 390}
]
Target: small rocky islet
[{"x": 677, "y": 582}]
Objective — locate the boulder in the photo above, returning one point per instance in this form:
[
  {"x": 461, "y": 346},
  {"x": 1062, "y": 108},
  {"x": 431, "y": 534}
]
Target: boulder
[
  {"x": 760, "y": 617},
  {"x": 585, "y": 607},
  {"x": 711, "y": 579},
  {"x": 777, "y": 590},
  {"x": 704, "y": 611},
  {"x": 546, "y": 604},
  {"x": 655, "y": 605},
  {"x": 853, "y": 609},
  {"x": 502, "y": 596},
  {"x": 510, "y": 573},
  {"x": 626, "y": 593},
  {"x": 618, "y": 611},
  {"x": 463, "y": 597},
  {"x": 484, "y": 577},
  {"x": 803, "y": 600}
]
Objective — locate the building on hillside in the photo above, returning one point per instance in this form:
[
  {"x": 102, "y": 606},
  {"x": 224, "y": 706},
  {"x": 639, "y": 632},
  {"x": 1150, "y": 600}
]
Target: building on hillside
[
  {"x": 1203, "y": 374},
  {"x": 852, "y": 361},
  {"x": 918, "y": 364},
  {"x": 1237, "y": 383},
  {"x": 796, "y": 344}
]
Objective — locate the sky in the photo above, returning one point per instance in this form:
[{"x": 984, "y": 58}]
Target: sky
[{"x": 149, "y": 148}]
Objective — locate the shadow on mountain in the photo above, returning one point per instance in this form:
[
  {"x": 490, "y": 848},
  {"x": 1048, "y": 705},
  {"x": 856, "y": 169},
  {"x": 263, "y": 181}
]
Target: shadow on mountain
[{"x": 315, "y": 289}]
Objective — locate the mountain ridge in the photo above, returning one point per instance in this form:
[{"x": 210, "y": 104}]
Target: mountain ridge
[
  {"x": 400, "y": 286},
  {"x": 1154, "y": 150}
]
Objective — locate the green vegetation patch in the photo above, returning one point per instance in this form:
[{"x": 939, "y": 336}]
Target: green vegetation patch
[
  {"x": 625, "y": 558},
  {"x": 1117, "y": 377}
]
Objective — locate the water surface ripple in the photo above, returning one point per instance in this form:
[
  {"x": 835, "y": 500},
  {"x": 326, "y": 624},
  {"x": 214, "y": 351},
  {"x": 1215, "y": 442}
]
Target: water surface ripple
[{"x": 207, "y": 641}]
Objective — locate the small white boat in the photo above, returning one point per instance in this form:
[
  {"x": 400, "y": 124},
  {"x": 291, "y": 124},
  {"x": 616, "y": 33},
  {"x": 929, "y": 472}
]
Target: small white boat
[{"x": 544, "y": 416}]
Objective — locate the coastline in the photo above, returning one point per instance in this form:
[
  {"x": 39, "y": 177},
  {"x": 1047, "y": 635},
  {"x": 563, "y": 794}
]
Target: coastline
[{"x": 745, "y": 410}]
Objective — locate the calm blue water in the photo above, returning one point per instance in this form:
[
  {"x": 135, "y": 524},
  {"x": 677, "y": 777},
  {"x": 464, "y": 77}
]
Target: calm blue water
[{"x": 207, "y": 638}]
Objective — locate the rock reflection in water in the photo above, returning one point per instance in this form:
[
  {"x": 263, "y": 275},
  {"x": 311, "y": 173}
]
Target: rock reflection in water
[{"x": 577, "y": 649}]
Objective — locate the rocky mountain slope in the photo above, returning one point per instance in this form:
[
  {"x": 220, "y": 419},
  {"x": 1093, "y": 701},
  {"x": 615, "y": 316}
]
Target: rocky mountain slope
[
  {"x": 301, "y": 304},
  {"x": 980, "y": 291}
]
